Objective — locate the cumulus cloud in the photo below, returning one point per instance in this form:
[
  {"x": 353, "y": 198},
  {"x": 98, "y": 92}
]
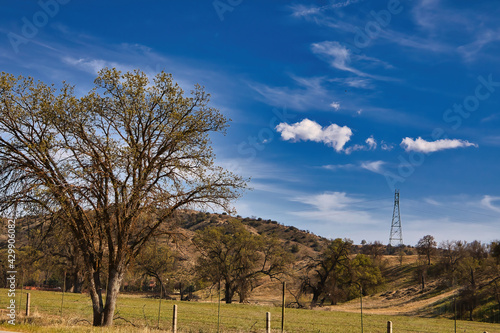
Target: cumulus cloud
[
  {"x": 423, "y": 146},
  {"x": 335, "y": 105},
  {"x": 308, "y": 130},
  {"x": 372, "y": 144},
  {"x": 385, "y": 146}
]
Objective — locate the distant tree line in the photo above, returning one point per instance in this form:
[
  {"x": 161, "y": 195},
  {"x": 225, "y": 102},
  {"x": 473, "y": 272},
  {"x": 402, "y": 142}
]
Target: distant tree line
[{"x": 228, "y": 254}]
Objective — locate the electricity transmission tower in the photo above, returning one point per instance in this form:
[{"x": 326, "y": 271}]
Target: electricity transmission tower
[{"x": 396, "y": 237}]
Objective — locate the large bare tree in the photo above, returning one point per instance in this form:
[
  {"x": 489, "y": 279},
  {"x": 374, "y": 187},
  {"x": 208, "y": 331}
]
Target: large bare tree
[{"x": 114, "y": 165}]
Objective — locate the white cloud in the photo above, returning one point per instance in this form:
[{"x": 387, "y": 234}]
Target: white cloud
[
  {"x": 469, "y": 51},
  {"x": 311, "y": 10},
  {"x": 304, "y": 11},
  {"x": 385, "y": 146},
  {"x": 423, "y": 146},
  {"x": 336, "y": 55},
  {"x": 308, "y": 130},
  {"x": 327, "y": 201},
  {"x": 487, "y": 201},
  {"x": 432, "y": 202},
  {"x": 334, "y": 167},
  {"x": 356, "y": 147},
  {"x": 339, "y": 57},
  {"x": 372, "y": 144},
  {"x": 335, "y": 105},
  {"x": 309, "y": 93},
  {"x": 337, "y": 214},
  {"x": 359, "y": 83},
  {"x": 375, "y": 166}
]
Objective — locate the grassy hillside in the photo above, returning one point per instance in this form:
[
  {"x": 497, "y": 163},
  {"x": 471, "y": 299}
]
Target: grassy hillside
[
  {"x": 140, "y": 314},
  {"x": 401, "y": 293}
]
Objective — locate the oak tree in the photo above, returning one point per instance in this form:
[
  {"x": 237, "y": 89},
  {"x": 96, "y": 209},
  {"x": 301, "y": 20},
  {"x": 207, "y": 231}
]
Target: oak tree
[
  {"x": 113, "y": 165},
  {"x": 237, "y": 258}
]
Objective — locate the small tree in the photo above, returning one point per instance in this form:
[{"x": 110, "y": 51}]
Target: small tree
[
  {"x": 232, "y": 255},
  {"x": 426, "y": 246},
  {"x": 375, "y": 250},
  {"x": 113, "y": 165},
  {"x": 158, "y": 262},
  {"x": 365, "y": 273},
  {"x": 324, "y": 272}
]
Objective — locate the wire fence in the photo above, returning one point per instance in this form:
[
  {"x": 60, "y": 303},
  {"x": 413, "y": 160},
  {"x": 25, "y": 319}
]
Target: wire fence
[{"x": 141, "y": 311}]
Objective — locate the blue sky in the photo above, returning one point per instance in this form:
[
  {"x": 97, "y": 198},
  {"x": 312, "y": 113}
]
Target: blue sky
[{"x": 334, "y": 104}]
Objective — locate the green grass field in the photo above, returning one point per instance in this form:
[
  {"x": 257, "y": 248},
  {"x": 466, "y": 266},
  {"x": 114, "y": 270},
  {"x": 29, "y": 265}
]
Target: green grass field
[{"x": 202, "y": 317}]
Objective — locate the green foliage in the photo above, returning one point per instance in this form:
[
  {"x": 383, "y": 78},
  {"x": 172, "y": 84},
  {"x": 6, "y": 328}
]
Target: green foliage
[
  {"x": 113, "y": 166},
  {"x": 365, "y": 272},
  {"x": 333, "y": 275},
  {"x": 234, "y": 256}
]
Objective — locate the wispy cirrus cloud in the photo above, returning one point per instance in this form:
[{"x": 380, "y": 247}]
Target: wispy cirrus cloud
[
  {"x": 307, "y": 130},
  {"x": 375, "y": 166},
  {"x": 471, "y": 50},
  {"x": 305, "y": 94},
  {"x": 340, "y": 57},
  {"x": 93, "y": 66},
  {"x": 335, "y": 167},
  {"x": 301, "y": 10},
  {"x": 488, "y": 202},
  {"x": 423, "y": 146}
]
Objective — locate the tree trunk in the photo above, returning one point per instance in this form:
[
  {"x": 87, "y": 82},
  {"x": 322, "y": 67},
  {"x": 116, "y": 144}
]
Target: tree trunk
[
  {"x": 75, "y": 284},
  {"x": 103, "y": 314},
  {"x": 96, "y": 297},
  {"x": 114, "y": 282},
  {"x": 316, "y": 294},
  {"x": 228, "y": 294}
]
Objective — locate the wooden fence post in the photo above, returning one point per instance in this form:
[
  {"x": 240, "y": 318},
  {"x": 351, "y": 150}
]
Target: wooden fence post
[
  {"x": 174, "y": 320},
  {"x": 268, "y": 322},
  {"x": 28, "y": 297},
  {"x": 389, "y": 327},
  {"x": 283, "y": 308}
]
